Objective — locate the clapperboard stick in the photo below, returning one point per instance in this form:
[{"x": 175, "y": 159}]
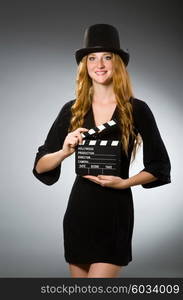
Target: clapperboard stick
[{"x": 98, "y": 129}]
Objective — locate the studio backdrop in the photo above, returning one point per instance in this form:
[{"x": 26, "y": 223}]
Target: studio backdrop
[{"x": 38, "y": 73}]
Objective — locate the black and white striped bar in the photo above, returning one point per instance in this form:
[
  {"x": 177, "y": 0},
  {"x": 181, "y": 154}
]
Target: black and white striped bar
[{"x": 98, "y": 129}]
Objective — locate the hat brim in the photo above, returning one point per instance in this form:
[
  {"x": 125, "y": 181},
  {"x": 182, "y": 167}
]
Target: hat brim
[{"x": 80, "y": 53}]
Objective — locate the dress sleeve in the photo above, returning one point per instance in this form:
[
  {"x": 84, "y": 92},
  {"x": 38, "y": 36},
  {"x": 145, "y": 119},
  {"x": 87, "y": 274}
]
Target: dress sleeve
[
  {"x": 155, "y": 157},
  {"x": 53, "y": 143}
]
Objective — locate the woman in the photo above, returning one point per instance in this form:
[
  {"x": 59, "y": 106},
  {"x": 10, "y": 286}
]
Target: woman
[{"x": 98, "y": 222}]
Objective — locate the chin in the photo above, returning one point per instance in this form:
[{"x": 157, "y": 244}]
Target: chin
[{"x": 103, "y": 81}]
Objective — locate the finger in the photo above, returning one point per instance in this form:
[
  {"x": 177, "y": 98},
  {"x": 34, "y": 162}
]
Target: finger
[
  {"x": 80, "y": 138},
  {"x": 102, "y": 182},
  {"x": 105, "y": 183},
  {"x": 90, "y": 177},
  {"x": 80, "y": 130},
  {"x": 105, "y": 177},
  {"x": 93, "y": 180},
  {"x": 73, "y": 141},
  {"x": 78, "y": 133}
]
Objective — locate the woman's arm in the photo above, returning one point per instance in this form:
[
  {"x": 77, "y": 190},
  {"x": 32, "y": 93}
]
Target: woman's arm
[
  {"x": 49, "y": 152},
  {"x": 155, "y": 156},
  {"x": 50, "y": 161},
  {"x": 120, "y": 183},
  {"x": 141, "y": 178},
  {"x": 157, "y": 166}
]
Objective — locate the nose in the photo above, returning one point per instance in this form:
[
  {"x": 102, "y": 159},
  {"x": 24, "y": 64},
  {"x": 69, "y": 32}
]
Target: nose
[{"x": 100, "y": 63}]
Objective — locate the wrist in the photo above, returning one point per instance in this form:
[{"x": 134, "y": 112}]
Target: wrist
[
  {"x": 125, "y": 184},
  {"x": 63, "y": 154}
]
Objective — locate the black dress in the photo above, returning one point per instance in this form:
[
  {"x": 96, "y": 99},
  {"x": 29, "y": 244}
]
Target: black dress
[{"x": 98, "y": 221}]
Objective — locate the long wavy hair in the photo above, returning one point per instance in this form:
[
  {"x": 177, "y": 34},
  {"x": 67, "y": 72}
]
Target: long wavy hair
[{"x": 123, "y": 92}]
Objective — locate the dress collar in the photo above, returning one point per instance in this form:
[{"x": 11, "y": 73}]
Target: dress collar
[{"x": 90, "y": 121}]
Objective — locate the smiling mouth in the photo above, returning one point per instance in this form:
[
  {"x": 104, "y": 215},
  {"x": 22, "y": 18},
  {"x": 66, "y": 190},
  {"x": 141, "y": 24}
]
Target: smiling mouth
[{"x": 100, "y": 73}]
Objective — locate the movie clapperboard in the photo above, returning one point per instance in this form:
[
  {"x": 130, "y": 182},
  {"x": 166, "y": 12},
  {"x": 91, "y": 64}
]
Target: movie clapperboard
[{"x": 98, "y": 157}]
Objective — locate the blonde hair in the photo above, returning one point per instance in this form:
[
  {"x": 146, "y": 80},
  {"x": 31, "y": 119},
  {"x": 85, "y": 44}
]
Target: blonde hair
[{"x": 123, "y": 92}]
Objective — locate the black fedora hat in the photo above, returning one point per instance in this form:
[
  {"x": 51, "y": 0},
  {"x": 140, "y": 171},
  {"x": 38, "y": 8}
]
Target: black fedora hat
[{"x": 100, "y": 38}]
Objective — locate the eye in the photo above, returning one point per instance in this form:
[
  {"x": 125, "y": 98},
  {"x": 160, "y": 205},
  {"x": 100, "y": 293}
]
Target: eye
[
  {"x": 91, "y": 58},
  {"x": 108, "y": 57}
]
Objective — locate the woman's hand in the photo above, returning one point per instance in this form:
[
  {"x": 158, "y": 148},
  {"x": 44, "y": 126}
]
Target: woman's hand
[
  {"x": 72, "y": 140},
  {"x": 109, "y": 181}
]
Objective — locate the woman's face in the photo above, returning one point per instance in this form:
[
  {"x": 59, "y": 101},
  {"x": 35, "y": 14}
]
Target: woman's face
[{"x": 99, "y": 66}]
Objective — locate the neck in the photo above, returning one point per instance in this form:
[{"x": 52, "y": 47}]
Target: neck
[{"x": 103, "y": 93}]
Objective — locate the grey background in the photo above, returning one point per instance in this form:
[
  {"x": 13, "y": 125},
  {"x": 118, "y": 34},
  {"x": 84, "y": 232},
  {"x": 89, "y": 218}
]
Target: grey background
[{"x": 37, "y": 76}]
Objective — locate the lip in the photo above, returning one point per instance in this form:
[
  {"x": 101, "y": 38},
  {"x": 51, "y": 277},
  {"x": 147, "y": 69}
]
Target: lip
[{"x": 100, "y": 73}]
